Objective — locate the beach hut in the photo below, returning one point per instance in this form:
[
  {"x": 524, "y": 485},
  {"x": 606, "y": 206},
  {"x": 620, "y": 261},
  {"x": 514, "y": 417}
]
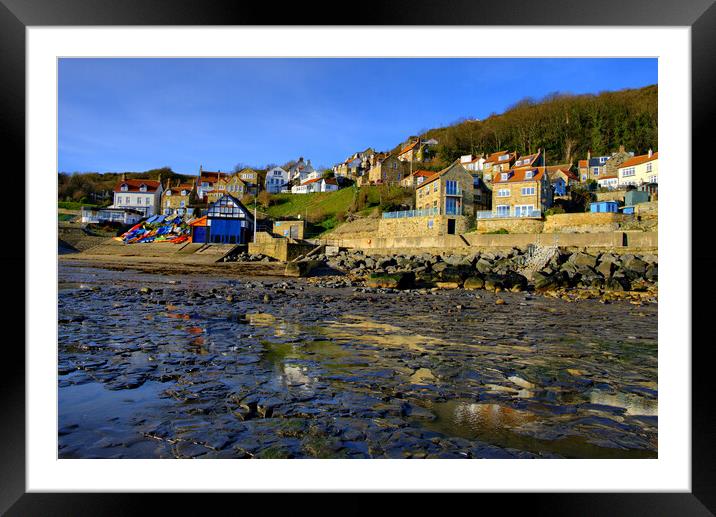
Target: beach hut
[
  {"x": 604, "y": 206},
  {"x": 229, "y": 221},
  {"x": 199, "y": 231}
]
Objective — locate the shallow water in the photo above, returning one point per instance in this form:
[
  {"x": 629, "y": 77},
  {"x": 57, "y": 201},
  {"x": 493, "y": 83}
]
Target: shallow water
[{"x": 206, "y": 368}]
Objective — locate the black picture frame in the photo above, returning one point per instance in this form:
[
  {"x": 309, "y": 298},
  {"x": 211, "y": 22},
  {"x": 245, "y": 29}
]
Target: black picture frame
[{"x": 700, "y": 15}]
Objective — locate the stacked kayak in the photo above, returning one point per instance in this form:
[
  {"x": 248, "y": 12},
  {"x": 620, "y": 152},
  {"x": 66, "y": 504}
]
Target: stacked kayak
[{"x": 158, "y": 228}]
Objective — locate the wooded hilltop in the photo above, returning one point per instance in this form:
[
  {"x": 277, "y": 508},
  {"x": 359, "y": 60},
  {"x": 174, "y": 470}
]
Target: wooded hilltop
[{"x": 565, "y": 126}]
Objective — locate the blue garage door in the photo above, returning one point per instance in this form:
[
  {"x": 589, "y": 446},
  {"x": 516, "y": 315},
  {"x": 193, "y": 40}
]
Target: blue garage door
[
  {"x": 226, "y": 231},
  {"x": 199, "y": 234}
]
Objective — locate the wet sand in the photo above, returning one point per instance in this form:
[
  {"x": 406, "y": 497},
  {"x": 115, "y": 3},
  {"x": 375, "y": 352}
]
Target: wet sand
[{"x": 162, "y": 366}]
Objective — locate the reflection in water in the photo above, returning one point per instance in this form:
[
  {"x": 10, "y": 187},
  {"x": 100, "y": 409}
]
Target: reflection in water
[
  {"x": 294, "y": 375},
  {"x": 380, "y": 333},
  {"x": 480, "y": 417},
  {"x": 422, "y": 376},
  {"x": 633, "y": 403}
]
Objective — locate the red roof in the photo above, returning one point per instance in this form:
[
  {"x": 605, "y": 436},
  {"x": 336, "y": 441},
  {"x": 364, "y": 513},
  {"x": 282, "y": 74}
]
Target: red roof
[
  {"x": 495, "y": 157},
  {"x": 518, "y": 175},
  {"x": 408, "y": 147},
  {"x": 607, "y": 177},
  {"x": 583, "y": 163},
  {"x": 311, "y": 181},
  {"x": 423, "y": 173},
  {"x": 177, "y": 190},
  {"x": 135, "y": 185},
  {"x": 211, "y": 177},
  {"x": 638, "y": 160}
]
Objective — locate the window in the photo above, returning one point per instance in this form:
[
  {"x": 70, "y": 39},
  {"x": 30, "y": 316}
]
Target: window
[
  {"x": 143, "y": 188},
  {"x": 503, "y": 192},
  {"x": 528, "y": 175},
  {"x": 124, "y": 187},
  {"x": 451, "y": 188},
  {"x": 629, "y": 171},
  {"x": 504, "y": 176},
  {"x": 595, "y": 171},
  {"x": 602, "y": 159},
  {"x": 648, "y": 167},
  {"x": 183, "y": 192},
  {"x": 504, "y": 157},
  {"x": 146, "y": 200},
  {"x": 169, "y": 193},
  {"x": 528, "y": 191},
  {"x": 503, "y": 209},
  {"x": 435, "y": 186}
]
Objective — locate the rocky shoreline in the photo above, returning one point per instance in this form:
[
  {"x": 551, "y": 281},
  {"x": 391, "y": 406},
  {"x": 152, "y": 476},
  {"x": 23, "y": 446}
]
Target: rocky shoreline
[
  {"x": 180, "y": 366},
  {"x": 549, "y": 271}
]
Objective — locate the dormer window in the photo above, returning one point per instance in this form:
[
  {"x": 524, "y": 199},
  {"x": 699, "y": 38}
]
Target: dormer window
[
  {"x": 528, "y": 175},
  {"x": 504, "y": 157},
  {"x": 183, "y": 192},
  {"x": 142, "y": 188},
  {"x": 124, "y": 187},
  {"x": 504, "y": 176},
  {"x": 169, "y": 192}
]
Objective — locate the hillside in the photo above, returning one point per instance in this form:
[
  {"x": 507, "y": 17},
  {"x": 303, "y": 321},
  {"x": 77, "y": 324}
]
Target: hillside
[
  {"x": 324, "y": 211},
  {"x": 566, "y": 126}
]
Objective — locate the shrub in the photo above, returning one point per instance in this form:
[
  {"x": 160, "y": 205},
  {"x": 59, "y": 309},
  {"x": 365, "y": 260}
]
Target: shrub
[{"x": 555, "y": 210}]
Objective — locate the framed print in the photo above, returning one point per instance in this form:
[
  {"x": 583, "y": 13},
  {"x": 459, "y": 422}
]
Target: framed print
[{"x": 307, "y": 254}]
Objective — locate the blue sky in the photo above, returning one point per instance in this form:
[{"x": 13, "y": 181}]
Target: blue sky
[{"x": 139, "y": 114}]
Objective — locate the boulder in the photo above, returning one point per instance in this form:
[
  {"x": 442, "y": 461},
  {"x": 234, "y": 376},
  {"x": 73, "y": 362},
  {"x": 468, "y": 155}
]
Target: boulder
[
  {"x": 583, "y": 259},
  {"x": 617, "y": 282},
  {"x": 391, "y": 281},
  {"x": 543, "y": 281},
  {"x": 606, "y": 268},
  {"x": 635, "y": 265},
  {"x": 492, "y": 282},
  {"x": 483, "y": 266},
  {"x": 474, "y": 282}
]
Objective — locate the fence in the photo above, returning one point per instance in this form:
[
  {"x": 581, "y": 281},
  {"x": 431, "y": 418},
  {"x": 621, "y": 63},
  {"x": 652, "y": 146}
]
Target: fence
[
  {"x": 488, "y": 214},
  {"x": 411, "y": 213}
]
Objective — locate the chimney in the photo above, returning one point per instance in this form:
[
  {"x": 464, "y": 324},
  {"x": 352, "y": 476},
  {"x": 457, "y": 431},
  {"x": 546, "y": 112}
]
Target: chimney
[
  {"x": 124, "y": 177},
  {"x": 589, "y": 154},
  {"x": 650, "y": 152},
  {"x": 621, "y": 149}
]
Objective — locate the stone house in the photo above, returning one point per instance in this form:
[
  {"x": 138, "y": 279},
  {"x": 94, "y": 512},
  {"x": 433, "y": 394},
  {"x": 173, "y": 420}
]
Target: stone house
[
  {"x": 639, "y": 170},
  {"x": 178, "y": 199},
  {"x": 611, "y": 168},
  {"x": 482, "y": 194},
  {"x": 521, "y": 192},
  {"x": 356, "y": 165},
  {"x": 250, "y": 178},
  {"x": 448, "y": 192},
  {"x": 561, "y": 178},
  {"x": 388, "y": 171},
  {"x": 415, "y": 179},
  {"x": 143, "y": 195},
  {"x": 595, "y": 167},
  {"x": 415, "y": 150},
  {"x": 497, "y": 162},
  {"x": 530, "y": 160},
  {"x": 207, "y": 181}
]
